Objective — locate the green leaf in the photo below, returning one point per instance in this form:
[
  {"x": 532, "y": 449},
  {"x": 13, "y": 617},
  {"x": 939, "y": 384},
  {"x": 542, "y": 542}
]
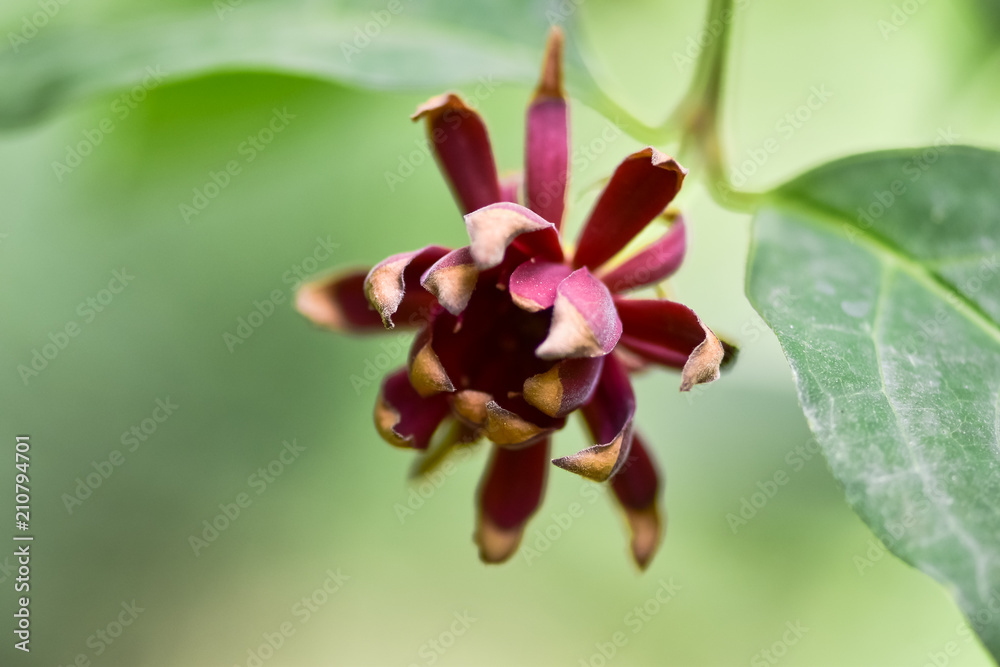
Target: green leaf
[
  {"x": 880, "y": 276},
  {"x": 426, "y": 46}
]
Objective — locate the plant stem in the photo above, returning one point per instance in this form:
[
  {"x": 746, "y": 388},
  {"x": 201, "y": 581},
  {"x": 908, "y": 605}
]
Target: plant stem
[{"x": 698, "y": 117}]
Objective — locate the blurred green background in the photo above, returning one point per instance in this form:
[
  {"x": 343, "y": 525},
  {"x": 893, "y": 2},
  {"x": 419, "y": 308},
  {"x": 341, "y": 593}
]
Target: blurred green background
[{"x": 335, "y": 507}]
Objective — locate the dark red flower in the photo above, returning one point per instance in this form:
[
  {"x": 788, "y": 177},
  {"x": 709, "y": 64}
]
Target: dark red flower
[{"x": 514, "y": 333}]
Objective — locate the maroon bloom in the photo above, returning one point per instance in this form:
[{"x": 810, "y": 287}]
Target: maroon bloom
[{"x": 514, "y": 332}]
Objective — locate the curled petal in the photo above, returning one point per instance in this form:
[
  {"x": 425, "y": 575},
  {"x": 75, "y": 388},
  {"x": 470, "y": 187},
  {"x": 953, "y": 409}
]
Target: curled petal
[
  {"x": 671, "y": 334},
  {"x": 509, "y": 494},
  {"x": 403, "y": 417},
  {"x": 533, "y": 284},
  {"x": 609, "y": 417},
  {"x": 452, "y": 279},
  {"x": 547, "y": 145},
  {"x": 338, "y": 302},
  {"x": 641, "y": 187},
  {"x": 469, "y": 405},
  {"x": 565, "y": 387},
  {"x": 462, "y": 148},
  {"x": 657, "y": 261},
  {"x": 584, "y": 320},
  {"x": 427, "y": 374},
  {"x": 636, "y": 487},
  {"x": 493, "y": 228},
  {"x": 386, "y": 284},
  {"x": 509, "y": 429}
]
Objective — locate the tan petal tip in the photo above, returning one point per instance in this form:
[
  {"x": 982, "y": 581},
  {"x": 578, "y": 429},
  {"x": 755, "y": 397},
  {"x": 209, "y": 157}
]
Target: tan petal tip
[
  {"x": 452, "y": 286},
  {"x": 470, "y": 406},
  {"x": 596, "y": 463},
  {"x": 496, "y": 544},
  {"x": 703, "y": 363},
  {"x": 550, "y": 83},
  {"x": 312, "y": 302},
  {"x": 647, "y": 532},
  {"x": 438, "y": 102},
  {"x": 427, "y": 374},
  {"x": 507, "y": 429},
  {"x": 386, "y": 419},
  {"x": 545, "y": 392}
]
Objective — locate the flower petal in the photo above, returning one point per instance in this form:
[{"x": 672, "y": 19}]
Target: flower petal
[
  {"x": 656, "y": 262},
  {"x": 584, "y": 321},
  {"x": 547, "y": 145},
  {"x": 641, "y": 187},
  {"x": 427, "y": 374},
  {"x": 637, "y": 487},
  {"x": 469, "y": 405},
  {"x": 509, "y": 494},
  {"x": 338, "y": 302},
  {"x": 609, "y": 417},
  {"x": 533, "y": 284},
  {"x": 565, "y": 387},
  {"x": 452, "y": 279},
  {"x": 509, "y": 429},
  {"x": 510, "y": 187},
  {"x": 462, "y": 148},
  {"x": 671, "y": 334},
  {"x": 403, "y": 417},
  {"x": 385, "y": 285},
  {"x": 493, "y": 228}
]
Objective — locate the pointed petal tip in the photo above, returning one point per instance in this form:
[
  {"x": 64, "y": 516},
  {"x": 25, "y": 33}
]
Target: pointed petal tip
[
  {"x": 311, "y": 302},
  {"x": 496, "y": 544},
  {"x": 386, "y": 420},
  {"x": 704, "y": 362},
  {"x": 508, "y": 429},
  {"x": 550, "y": 83},
  {"x": 427, "y": 374},
  {"x": 647, "y": 533},
  {"x": 449, "y": 99},
  {"x": 452, "y": 280},
  {"x": 597, "y": 463}
]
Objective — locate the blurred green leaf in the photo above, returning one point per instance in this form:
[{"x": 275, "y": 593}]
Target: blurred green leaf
[
  {"x": 389, "y": 45},
  {"x": 879, "y": 273}
]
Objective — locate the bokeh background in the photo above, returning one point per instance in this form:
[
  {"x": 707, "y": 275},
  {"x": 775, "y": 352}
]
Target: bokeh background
[{"x": 804, "y": 558}]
